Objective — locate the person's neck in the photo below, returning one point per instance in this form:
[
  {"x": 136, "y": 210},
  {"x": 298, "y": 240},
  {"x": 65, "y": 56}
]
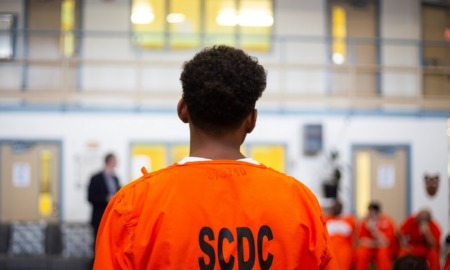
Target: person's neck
[
  {"x": 109, "y": 171},
  {"x": 225, "y": 147},
  {"x": 216, "y": 151}
]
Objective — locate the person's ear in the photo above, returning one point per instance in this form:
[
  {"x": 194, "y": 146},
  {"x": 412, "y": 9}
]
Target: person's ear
[
  {"x": 251, "y": 121},
  {"x": 182, "y": 111}
]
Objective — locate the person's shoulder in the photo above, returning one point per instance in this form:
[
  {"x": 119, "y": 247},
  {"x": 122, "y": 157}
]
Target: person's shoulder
[
  {"x": 143, "y": 182},
  {"x": 388, "y": 220},
  {"x": 409, "y": 220},
  {"x": 435, "y": 225},
  {"x": 362, "y": 222},
  {"x": 349, "y": 218},
  {"x": 280, "y": 176},
  {"x": 97, "y": 175},
  {"x": 132, "y": 197}
]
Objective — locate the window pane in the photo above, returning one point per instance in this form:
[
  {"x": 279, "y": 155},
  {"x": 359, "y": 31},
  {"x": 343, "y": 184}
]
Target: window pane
[
  {"x": 272, "y": 156},
  {"x": 151, "y": 156},
  {"x": 244, "y": 23},
  {"x": 220, "y": 22},
  {"x": 339, "y": 33},
  {"x": 67, "y": 27},
  {"x": 184, "y": 23},
  {"x": 7, "y": 35},
  {"x": 255, "y": 21},
  {"x": 148, "y": 20}
]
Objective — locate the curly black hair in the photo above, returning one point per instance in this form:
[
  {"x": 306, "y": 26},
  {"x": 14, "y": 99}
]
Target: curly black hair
[{"x": 221, "y": 85}]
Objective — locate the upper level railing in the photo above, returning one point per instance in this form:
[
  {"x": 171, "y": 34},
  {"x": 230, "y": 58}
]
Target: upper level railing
[{"x": 107, "y": 69}]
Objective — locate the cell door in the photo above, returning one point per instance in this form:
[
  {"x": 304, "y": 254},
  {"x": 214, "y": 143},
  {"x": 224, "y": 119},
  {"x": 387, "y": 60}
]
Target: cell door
[
  {"x": 380, "y": 174},
  {"x": 357, "y": 20},
  {"x": 435, "y": 50},
  {"x": 50, "y": 39},
  {"x": 29, "y": 181}
]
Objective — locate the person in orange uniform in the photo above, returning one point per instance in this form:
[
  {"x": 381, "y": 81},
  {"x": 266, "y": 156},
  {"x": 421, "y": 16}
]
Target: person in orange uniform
[
  {"x": 341, "y": 229},
  {"x": 420, "y": 236},
  {"x": 376, "y": 233},
  {"x": 215, "y": 209}
]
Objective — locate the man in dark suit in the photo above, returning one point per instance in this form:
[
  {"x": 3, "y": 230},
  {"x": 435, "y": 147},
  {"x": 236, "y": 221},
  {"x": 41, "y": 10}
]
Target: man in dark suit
[{"x": 102, "y": 187}]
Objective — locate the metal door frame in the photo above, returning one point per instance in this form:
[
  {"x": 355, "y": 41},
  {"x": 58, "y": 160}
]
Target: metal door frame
[{"x": 60, "y": 174}]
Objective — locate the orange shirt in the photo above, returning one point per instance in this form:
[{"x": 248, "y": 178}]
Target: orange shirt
[
  {"x": 340, "y": 229},
  {"x": 411, "y": 231},
  {"x": 384, "y": 223},
  {"x": 213, "y": 215}
]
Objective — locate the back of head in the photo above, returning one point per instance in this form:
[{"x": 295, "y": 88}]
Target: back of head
[
  {"x": 410, "y": 262},
  {"x": 221, "y": 85}
]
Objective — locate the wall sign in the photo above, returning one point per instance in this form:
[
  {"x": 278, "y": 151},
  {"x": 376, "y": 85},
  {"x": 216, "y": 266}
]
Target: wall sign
[
  {"x": 21, "y": 174},
  {"x": 312, "y": 139}
]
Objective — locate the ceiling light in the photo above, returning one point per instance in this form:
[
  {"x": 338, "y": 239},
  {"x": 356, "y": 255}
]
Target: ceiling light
[
  {"x": 338, "y": 58},
  {"x": 142, "y": 13},
  {"x": 227, "y": 17},
  {"x": 246, "y": 17},
  {"x": 176, "y": 18},
  {"x": 255, "y": 19}
]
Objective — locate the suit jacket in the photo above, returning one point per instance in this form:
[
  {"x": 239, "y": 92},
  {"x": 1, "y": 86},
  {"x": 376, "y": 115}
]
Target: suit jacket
[{"x": 98, "y": 196}]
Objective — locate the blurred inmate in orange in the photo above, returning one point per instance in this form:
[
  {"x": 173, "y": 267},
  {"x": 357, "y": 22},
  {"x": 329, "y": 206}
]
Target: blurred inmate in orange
[
  {"x": 376, "y": 236},
  {"x": 216, "y": 209},
  {"x": 420, "y": 236},
  {"x": 341, "y": 229}
]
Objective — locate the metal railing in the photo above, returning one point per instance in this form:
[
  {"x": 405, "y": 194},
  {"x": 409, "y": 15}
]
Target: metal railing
[{"x": 108, "y": 69}]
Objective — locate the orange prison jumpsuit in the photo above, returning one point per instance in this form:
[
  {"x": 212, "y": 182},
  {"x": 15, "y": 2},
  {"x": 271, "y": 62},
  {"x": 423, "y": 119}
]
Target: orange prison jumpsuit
[
  {"x": 341, "y": 230},
  {"x": 213, "y": 215},
  {"x": 382, "y": 255},
  {"x": 417, "y": 244}
]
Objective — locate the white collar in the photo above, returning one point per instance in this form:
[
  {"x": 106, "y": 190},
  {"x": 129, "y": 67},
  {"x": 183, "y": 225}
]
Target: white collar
[{"x": 196, "y": 159}]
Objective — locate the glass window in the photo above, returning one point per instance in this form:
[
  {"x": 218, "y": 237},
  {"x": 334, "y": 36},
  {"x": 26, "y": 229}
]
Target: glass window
[
  {"x": 148, "y": 18},
  {"x": 220, "y": 22},
  {"x": 271, "y": 155},
  {"x": 255, "y": 22},
  {"x": 67, "y": 27},
  {"x": 7, "y": 36},
  {"x": 339, "y": 34},
  {"x": 184, "y": 23},
  {"x": 244, "y": 23}
]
